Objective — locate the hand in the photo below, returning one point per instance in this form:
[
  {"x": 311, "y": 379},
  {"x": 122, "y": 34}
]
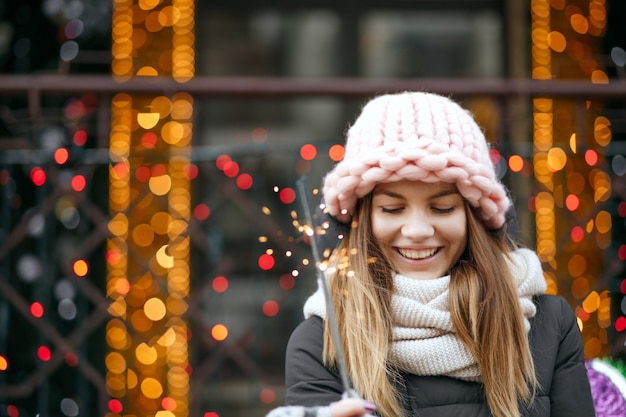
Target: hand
[{"x": 351, "y": 407}]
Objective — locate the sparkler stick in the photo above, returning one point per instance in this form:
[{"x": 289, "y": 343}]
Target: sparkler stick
[{"x": 348, "y": 391}]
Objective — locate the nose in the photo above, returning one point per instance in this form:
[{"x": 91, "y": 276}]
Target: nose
[{"x": 418, "y": 227}]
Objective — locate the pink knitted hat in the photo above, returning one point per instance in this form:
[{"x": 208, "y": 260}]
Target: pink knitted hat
[{"x": 416, "y": 136}]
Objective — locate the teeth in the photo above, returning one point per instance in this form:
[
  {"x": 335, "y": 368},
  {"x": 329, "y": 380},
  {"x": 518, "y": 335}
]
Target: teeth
[{"x": 417, "y": 254}]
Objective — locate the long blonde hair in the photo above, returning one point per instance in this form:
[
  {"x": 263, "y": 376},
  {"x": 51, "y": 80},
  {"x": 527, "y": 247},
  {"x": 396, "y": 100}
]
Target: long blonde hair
[{"x": 484, "y": 307}]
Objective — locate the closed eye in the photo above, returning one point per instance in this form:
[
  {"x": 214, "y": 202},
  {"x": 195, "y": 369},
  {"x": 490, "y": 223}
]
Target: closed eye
[
  {"x": 443, "y": 210},
  {"x": 391, "y": 210}
]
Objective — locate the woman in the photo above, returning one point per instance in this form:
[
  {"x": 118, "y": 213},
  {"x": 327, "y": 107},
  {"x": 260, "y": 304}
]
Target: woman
[{"x": 439, "y": 312}]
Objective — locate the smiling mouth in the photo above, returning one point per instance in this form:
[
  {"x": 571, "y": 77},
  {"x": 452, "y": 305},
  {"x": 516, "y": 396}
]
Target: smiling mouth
[{"x": 417, "y": 254}]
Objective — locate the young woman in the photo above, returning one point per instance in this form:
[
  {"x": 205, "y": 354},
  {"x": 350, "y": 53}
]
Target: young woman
[{"x": 439, "y": 312}]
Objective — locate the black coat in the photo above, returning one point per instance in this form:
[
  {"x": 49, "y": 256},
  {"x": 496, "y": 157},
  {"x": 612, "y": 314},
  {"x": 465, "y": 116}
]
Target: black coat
[{"x": 557, "y": 351}]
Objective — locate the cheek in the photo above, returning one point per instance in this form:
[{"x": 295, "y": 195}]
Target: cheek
[
  {"x": 456, "y": 231},
  {"x": 380, "y": 229}
]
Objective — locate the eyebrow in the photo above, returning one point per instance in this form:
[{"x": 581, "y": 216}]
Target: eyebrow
[{"x": 442, "y": 193}]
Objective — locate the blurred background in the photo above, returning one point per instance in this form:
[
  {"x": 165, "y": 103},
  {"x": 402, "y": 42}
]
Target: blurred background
[{"x": 151, "y": 253}]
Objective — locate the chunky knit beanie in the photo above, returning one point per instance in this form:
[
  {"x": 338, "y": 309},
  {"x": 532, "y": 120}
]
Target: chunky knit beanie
[{"x": 416, "y": 136}]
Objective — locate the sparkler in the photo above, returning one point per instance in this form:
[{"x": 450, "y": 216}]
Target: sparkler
[{"x": 348, "y": 391}]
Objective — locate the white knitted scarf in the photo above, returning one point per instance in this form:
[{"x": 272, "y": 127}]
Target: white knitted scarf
[{"x": 424, "y": 339}]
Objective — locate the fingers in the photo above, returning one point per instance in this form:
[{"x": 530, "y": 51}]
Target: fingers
[{"x": 351, "y": 407}]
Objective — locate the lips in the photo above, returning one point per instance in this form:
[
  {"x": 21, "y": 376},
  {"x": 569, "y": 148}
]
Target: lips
[{"x": 417, "y": 254}]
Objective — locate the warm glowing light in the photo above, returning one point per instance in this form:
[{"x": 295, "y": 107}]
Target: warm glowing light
[
  {"x": 151, "y": 388},
  {"x": 556, "y": 159},
  {"x": 160, "y": 185},
  {"x": 80, "y": 268},
  {"x": 336, "y": 152},
  {"x": 4, "y": 363},
  {"x": 148, "y": 120},
  {"x": 154, "y": 309},
  {"x": 146, "y": 354},
  {"x": 557, "y": 41},
  {"x": 516, "y": 163},
  {"x": 163, "y": 258},
  {"x": 219, "y": 332}
]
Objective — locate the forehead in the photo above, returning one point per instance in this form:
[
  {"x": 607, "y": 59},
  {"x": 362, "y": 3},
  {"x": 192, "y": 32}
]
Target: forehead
[{"x": 412, "y": 186}]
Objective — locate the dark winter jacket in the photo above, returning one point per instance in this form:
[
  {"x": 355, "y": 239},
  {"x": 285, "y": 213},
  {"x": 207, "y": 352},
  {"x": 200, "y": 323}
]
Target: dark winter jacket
[{"x": 557, "y": 351}]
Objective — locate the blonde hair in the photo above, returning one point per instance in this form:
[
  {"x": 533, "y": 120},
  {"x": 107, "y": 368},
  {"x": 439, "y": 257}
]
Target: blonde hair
[{"x": 484, "y": 307}]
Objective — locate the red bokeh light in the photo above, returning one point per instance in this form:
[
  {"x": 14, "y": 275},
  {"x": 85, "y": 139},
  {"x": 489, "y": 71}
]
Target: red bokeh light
[
  {"x": 591, "y": 157},
  {"x": 287, "y": 282},
  {"x": 267, "y": 396},
  {"x": 270, "y": 308},
  {"x": 79, "y": 183},
  {"x": 572, "y": 202},
  {"x": 221, "y": 160},
  {"x": 80, "y": 137},
  {"x": 71, "y": 359},
  {"x": 191, "y": 171},
  {"x": 495, "y": 156},
  {"x": 259, "y": 135},
  {"x": 308, "y": 152},
  {"x": 120, "y": 169},
  {"x": 231, "y": 169},
  {"x": 168, "y": 404},
  {"x": 38, "y": 176},
  {"x": 142, "y": 174},
  {"x": 287, "y": 195},
  {"x": 12, "y": 411},
  {"x": 620, "y": 324},
  {"x": 75, "y": 109},
  {"x": 336, "y": 152},
  {"x": 201, "y": 211},
  {"x": 36, "y": 309},
  {"x": 43, "y": 353},
  {"x": 244, "y": 181},
  {"x": 577, "y": 234},
  {"x": 220, "y": 284},
  {"x": 266, "y": 262},
  {"x": 158, "y": 170},
  {"x": 61, "y": 156},
  {"x": 115, "y": 406},
  {"x": 149, "y": 140}
]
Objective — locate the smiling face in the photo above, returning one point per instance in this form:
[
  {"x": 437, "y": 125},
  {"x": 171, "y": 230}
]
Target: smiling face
[{"x": 420, "y": 227}]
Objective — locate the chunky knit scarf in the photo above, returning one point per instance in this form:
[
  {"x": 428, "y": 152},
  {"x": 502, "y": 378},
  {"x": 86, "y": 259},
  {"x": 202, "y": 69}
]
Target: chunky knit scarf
[{"x": 424, "y": 339}]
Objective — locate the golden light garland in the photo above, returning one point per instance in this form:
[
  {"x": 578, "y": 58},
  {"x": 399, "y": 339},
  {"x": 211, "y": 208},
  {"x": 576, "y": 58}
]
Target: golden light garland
[
  {"x": 572, "y": 228},
  {"x": 149, "y": 201}
]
